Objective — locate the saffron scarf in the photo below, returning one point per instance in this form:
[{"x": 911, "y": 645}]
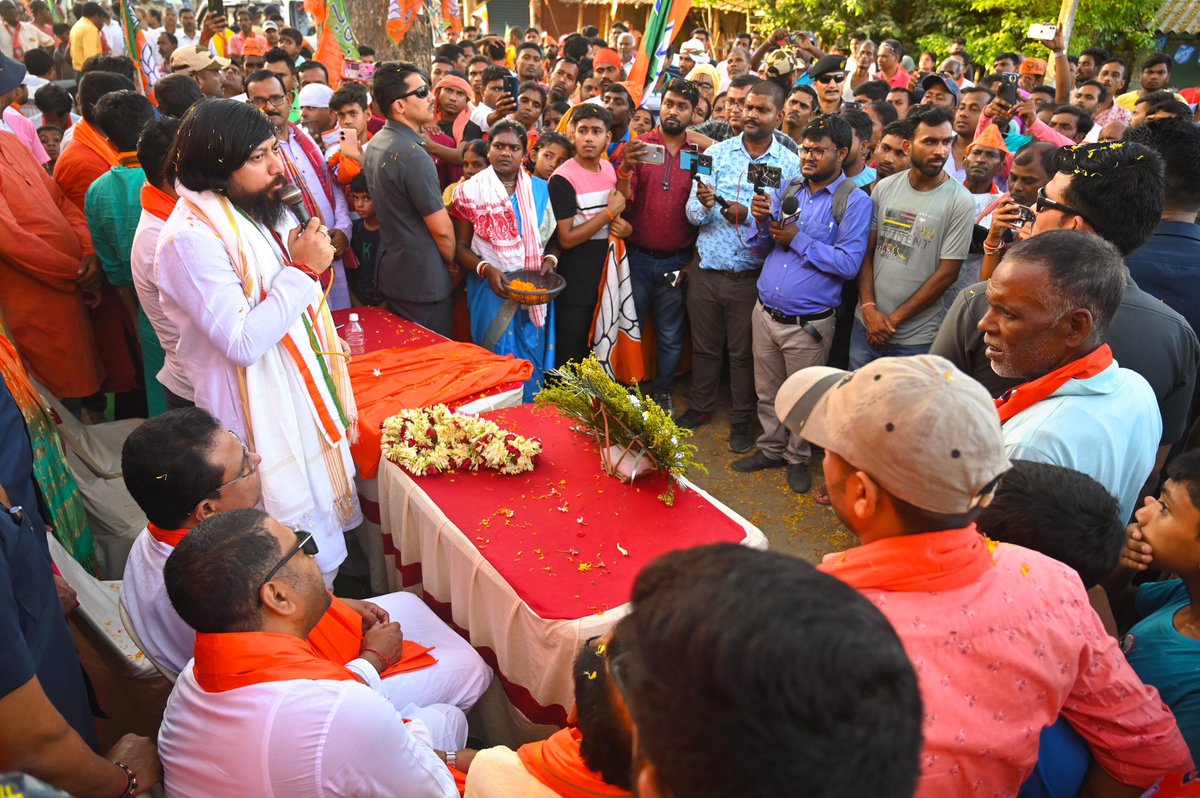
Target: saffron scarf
[
  {"x": 339, "y": 635},
  {"x": 93, "y": 139},
  {"x": 15, "y": 35},
  {"x": 459, "y": 126},
  {"x": 156, "y": 202},
  {"x": 508, "y": 243},
  {"x": 1028, "y": 394},
  {"x": 928, "y": 562},
  {"x": 60, "y": 492},
  {"x": 558, "y": 763},
  {"x": 239, "y": 659},
  {"x": 170, "y": 537}
]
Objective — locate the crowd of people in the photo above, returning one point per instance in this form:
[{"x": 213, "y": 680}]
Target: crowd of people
[{"x": 969, "y": 285}]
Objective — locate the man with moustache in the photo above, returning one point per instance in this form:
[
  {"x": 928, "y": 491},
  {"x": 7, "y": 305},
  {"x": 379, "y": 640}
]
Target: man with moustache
[
  {"x": 256, "y": 341},
  {"x": 798, "y": 111},
  {"x": 920, "y": 235},
  {"x": 663, "y": 242},
  {"x": 304, "y": 165},
  {"x": 564, "y": 77},
  {"x": 890, "y": 155}
]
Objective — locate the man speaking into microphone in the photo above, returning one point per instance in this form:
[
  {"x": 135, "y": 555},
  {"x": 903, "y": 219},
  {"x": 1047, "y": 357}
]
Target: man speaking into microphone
[
  {"x": 813, "y": 231},
  {"x": 241, "y": 282}
]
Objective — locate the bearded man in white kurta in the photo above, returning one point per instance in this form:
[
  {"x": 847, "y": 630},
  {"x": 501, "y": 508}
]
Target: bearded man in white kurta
[{"x": 255, "y": 336}]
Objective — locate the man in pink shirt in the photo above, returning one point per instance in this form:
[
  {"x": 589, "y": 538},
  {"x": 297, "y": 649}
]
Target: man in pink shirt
[{"x": 1002, "y": 638}]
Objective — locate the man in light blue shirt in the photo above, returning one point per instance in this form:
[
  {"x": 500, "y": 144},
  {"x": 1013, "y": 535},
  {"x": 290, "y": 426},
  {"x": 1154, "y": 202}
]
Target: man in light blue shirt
[
  {"x": 1051, "y": 299},
  {"x": 723, "y": 291}
]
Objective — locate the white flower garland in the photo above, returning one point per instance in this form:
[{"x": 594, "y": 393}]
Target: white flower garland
[{"x": 433, "y": 440}]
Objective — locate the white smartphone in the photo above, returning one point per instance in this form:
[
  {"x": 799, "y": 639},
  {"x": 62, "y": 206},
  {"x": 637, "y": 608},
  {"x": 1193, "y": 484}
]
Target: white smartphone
[
  {"x": 654, "y": 153},
  {"x": 1042, "y": 33}
]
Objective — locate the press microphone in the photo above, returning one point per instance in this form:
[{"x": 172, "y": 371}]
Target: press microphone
[
  {"x": 789, "y": 211},
  {"x": 293, "y": 197}
]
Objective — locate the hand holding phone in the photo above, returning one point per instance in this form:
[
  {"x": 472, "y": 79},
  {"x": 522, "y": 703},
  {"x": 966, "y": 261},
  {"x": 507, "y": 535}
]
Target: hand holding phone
[
  {"x": 1041, "y": 33},
  {"x": 653, "y": 154}
]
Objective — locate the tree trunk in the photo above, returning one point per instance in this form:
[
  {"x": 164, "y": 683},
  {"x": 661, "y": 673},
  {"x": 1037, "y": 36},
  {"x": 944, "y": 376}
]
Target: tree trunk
[{"x": 368, "y": 18}]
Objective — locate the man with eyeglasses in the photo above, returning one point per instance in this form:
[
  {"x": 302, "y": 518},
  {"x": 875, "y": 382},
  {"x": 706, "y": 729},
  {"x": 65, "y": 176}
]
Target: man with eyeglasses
[
  {"x": 258, "y": 710},
  {"x": 304, "y": 165},
  {"x": 1114, "y": 192},
  {"x": 811, "y": 251},
  {"x": 417, "y": 253},
  {"x": 183, "y": 468}
]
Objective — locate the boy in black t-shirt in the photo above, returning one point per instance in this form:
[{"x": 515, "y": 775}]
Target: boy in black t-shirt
[{"x": 364, "y": 240}]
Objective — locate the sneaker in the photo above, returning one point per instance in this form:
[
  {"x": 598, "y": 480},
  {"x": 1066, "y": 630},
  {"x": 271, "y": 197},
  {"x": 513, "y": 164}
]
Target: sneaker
[
  {"x": 663, "y": 400},
  {"x": 756, "y": 462},
  {"x": 740, "y": 438},
  {"x": 691, "y": 419},
  {"x": 798, "y": 477}
]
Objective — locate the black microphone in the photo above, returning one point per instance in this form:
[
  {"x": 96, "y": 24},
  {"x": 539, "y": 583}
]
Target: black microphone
[
  {"x": 293, "y": 197},
  {"x": 789, "y": 210}
]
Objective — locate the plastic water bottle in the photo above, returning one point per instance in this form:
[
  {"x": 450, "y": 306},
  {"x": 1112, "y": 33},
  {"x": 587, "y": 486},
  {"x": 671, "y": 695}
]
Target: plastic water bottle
[{"x": 355, "y": 337}]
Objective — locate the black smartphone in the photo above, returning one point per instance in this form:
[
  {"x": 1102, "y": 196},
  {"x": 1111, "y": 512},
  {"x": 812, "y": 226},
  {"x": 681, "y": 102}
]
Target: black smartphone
[
  {"x": 513, "y": 86},
  {"x": 764, "y": 176},
  {"x": 1008, "y": 87},
  {"x": 216, "y": 7}
]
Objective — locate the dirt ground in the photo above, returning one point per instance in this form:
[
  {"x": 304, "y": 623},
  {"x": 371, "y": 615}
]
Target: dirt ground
[{"x": 793, "y": 523}]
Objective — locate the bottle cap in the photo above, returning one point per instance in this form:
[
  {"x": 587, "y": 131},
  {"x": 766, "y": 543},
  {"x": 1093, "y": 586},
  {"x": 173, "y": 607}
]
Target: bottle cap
[{"x": 353, "y": 317}]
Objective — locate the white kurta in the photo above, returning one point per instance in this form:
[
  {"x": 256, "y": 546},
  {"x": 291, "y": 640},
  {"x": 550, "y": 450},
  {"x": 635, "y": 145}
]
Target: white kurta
[
  {"x": 165, "y": 638},
  {"x": 299, "y": 739},
  {"x": 145, "y": 282},
  {"x": 220, "y": 331},
  {"x": 336, "y": 215},
  {"x": 499, "y": 773}
]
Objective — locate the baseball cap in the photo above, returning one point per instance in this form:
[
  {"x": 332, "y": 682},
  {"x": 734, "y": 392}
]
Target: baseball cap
[
  {"x": 1033, "y": 66},
  {"x": 948, "y": 85},
  {"x": 827, "y": 64},
  {"x": 255, "y": 46},
  {"x": 194, "y": 58},
  {"x": 315, "y": 95},
  {"x": 11, "y": 74},
  {"x": 779, "y": 63},
  {"x": 270, "y": 24},
  {"x": 922, "y": 429}
]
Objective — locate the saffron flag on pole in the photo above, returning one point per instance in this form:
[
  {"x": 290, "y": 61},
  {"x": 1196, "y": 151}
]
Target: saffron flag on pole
[
  {"x": 401, "y": 16},
  {"x": 136, "y": 45},
  {"x": 452, "y": 15},
  {"x": 666, "y": 20},
  {"x": 336, "y": 40}
]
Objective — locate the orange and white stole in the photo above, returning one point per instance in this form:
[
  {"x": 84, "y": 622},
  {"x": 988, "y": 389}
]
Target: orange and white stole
[{"x": 558, "y": 763}]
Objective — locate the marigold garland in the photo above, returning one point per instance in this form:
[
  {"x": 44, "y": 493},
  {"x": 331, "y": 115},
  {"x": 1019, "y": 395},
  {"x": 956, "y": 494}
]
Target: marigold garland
[
  {"x": 580, "y": 390},
  {"x": 433, "y": 440}
]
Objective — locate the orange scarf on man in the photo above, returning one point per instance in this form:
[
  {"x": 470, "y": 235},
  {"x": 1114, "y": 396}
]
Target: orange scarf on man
[
  {"x": 1030, "y": 393},
  {"x": 925, "y": 562},
  {"x": 94, "y": 140},
  {"x": 157, "y": 202},
  {"x": 338, "y": 638},
  {"x": 171, "y": 537},
  {"x": 558, "y": 763}
]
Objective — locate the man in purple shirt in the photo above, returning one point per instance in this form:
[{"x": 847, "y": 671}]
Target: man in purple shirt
[
  {"x": 663, "y": 241},
  {"x": 814, "y": 233}
]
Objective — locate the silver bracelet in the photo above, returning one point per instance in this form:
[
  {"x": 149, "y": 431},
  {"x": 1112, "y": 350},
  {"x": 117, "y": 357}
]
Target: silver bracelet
[{"x": 452, "y": 759}]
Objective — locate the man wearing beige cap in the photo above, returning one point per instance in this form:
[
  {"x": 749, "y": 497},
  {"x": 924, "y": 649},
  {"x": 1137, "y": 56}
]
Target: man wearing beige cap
[
  {"x": 204, "y": 67},
  {"x": 1002, "y": 638}
]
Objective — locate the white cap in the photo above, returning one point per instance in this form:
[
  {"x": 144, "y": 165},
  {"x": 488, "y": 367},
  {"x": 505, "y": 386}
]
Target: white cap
[
  {"x": 315, "y": 95},
  {"x": 353, "y": 317}
]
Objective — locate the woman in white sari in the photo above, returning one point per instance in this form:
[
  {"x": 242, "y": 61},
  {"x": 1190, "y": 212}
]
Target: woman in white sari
[{"x": 502, "y": 221}]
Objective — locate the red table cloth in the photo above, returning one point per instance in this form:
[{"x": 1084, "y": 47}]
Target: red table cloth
[{"x": 556, "y": 534}]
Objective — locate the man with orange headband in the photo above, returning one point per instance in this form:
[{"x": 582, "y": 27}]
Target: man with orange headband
[{"x": 606, "y": 66}]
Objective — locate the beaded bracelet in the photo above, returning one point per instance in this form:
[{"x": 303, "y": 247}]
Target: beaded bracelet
[{"x": 131, "y": 782}]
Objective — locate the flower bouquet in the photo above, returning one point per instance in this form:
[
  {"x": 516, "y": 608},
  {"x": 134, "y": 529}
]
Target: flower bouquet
[
  {"x": 634, "y": 434},
  {"x": 432, "y": 440}
]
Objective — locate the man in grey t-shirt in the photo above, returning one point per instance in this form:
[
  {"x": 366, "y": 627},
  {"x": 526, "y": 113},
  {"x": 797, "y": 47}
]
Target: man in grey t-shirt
[
  {"x": 920, "y": 234},
  {"x": 417, "y": 235}
]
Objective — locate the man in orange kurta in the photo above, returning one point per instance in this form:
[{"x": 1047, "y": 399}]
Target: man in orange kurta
[
  {"x": 89, "y": 156},
  {"x": 45, "y": 243}
]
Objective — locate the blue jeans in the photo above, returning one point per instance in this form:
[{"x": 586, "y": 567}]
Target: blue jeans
[
  {"x": 652, "y": 291},
  {"x": 862, "y": 353}
]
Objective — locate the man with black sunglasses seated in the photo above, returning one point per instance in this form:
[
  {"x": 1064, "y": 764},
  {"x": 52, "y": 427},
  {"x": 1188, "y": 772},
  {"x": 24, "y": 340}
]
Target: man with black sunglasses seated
[
  {"x": 1116, "y": 192},
  {"x": 183, "y": 468},
  {"x": 259, "y": 711}
]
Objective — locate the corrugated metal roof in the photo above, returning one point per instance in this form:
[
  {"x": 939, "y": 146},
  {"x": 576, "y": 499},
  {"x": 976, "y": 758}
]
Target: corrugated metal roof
[{"x": 1178, "y": 16}]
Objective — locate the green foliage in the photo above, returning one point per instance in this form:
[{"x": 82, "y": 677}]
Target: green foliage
[
  {"x": 989, "y": 26},
  {"x": 622, "y": 416}
]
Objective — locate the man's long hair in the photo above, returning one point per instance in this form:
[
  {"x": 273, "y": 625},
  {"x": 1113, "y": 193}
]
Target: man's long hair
[{"x": 214, "y": 141}]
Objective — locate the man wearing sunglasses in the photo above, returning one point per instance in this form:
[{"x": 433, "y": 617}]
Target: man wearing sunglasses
[
  {"x": 417, "y": 253},
  {"x": 1115, "y": 192},
  {"x": 183, "y": 468},
  {"x": 258, "y": 710},
  {"x": 828, "y": 75}
]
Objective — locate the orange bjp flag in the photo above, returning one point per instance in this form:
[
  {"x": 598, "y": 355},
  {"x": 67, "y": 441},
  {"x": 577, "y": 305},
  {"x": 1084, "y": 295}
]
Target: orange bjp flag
[{"x": 401, "y": 16}]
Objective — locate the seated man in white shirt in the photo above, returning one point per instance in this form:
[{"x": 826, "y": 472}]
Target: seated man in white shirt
[
  {"x": 258, "y": 711},
  {"x": 181, "y": 468}
]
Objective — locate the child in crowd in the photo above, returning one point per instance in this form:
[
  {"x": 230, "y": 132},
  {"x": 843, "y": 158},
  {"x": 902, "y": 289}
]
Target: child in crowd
[
  {"x": 642, "y": 121},
  {"x": 553, "y": 114},
  {"x": 1164, "y": 645},
  {"x": 475, "y": 160},
  {"x": 364, "y": 240},
  {"x": 51, "y": 138},
  {"x": 552, "y": 151}
]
